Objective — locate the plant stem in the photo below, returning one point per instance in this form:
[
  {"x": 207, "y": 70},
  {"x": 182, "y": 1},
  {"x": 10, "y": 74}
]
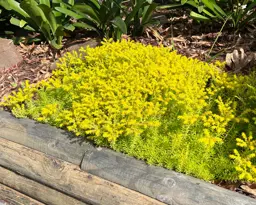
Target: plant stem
[{"x": 218, "y": 35}]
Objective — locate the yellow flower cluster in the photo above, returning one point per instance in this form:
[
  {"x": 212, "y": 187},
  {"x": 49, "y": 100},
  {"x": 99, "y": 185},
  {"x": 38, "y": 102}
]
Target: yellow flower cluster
[
  {"x": 23, "y": 94},
  {"x": 122, "y": 88},
  {"x": 243, "y": 160},
  {"x": 47, "y": 112}
]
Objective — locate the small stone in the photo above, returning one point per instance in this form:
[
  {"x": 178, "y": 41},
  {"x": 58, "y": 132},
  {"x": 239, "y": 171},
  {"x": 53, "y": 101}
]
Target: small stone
[{"x": 9, "y": 56}]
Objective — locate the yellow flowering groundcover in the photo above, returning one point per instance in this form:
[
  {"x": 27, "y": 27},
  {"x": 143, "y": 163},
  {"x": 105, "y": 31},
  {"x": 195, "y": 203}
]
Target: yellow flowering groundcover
[{"x": 156, "y": 105}]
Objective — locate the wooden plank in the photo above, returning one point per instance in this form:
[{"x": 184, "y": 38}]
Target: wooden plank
[
  {"x": 165, "y": 185},
  {"x": 66, "y": 177},
  {"x": 35, "y": 190},
  {"x": 44, "y": 138},
  {"x": 9, "y": 196}
]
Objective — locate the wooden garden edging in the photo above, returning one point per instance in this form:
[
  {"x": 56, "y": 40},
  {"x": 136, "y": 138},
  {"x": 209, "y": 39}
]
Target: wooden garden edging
[
  {"x": 164, "y": 185},
  {"x": 34, "y": 189},
  {"x": 65, "y": 177},
  {"x": 10, "y": 196}
]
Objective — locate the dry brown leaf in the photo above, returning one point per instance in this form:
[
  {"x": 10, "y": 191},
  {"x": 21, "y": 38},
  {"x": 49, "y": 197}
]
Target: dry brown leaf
[
  {"x": 203, "y": 43},
  {"x": 23, "y": 46},
  {"x": 248, "y": 189},
  {"x": 156, "y": 34},
  {"x": 178, "y": 39}
]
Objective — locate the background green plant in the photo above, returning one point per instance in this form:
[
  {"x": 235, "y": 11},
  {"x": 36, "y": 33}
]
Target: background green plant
[
  {"x": 240, "y": 13},
  {"x": 109, "y": 18},
  {"x": 112, "y": 18},
  {"x": 50, "y": 18}
]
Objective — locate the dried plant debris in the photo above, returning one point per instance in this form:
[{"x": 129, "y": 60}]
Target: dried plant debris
[
  {"x": 249, "y": 189},
  {"x": 35, "y": 67},
  {"x": 238, "y": 61},
  {"x": 37, "y": 64}
]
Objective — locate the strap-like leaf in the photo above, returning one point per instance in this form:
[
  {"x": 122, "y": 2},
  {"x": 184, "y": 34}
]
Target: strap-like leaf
[
  {"x": 35, "y": 13},
  {"x": 5, "y": 4},
  {"x": 71, "y": 2},
  {"x": 87, "y": 10},
  {"x": 220, "y": 11},
  {"x": 169, "y": 6},
  {"x": 192, "y": 3},
  {"x": 59, "y": 31},
  {"x": 15, "y": 6},
  {"x": 183, "y": 2},
  {"x": 109, "y": 10},
  {"x": 84, "y": 25},
  {"x": 55, "y": 44},
  {"x": 135, "y": 10},
  {"x": 45, "y": 2},
  {"x": 148, "y": 14},
  {"x": 69, "y": 27},
  {"x": 208, "y": 13},
  {"x": 95, "y": 3},
  {"x": 49, "y": 16},
  {"x": 198, "y": 16},
  {"x": 120, "y": 24},
  {"x": 20, "y": 23},
  {"x": 46, "y": 30},
  {"x": 69, "y": 12},
  {"x": 211, "y": 4}
]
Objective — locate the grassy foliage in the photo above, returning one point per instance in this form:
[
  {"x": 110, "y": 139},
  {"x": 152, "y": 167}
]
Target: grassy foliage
[{"x": 153, "y": 104}]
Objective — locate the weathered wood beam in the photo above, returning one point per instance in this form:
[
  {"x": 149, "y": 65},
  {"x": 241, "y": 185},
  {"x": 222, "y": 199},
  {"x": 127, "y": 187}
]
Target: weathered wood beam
[
  {"x": 42, "y": 137},
  {"x": 66, "y": 177},
  {"x": 35, "y": 190},
  {"x": 12, "y": 197}
]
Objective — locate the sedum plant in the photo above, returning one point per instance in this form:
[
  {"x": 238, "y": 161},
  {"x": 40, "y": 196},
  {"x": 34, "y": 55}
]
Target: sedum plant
[{"x": 153, "y": 104}]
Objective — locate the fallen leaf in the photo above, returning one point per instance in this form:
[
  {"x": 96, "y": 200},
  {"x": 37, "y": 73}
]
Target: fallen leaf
[{"x": 248, "y": 189}]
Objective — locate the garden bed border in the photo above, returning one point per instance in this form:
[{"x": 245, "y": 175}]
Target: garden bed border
[{"x": 164, "y": 185}]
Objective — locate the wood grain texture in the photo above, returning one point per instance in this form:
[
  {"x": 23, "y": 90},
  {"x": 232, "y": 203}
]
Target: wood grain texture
[
  {"x": 44, "y": 138},
  {"x": 165, "y": 185},
  {"x": 67, "y": 178},
  {"x": 9, "y": 196},
  {"x": 35, "y": 190}
]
